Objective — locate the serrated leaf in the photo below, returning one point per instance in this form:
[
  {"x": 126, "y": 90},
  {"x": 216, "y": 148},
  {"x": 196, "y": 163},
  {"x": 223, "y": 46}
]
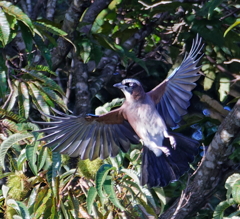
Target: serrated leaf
[
  {"x": 19, "y": 207},
  {"x": 21, "y": 159},
  {"x": 11, "y": 115},
  {"x": 44, "y": 94},
  {"x": 100, "y": 178},
  {"x": 54, "y": 97},
  {"x": 15, "y": 11},
  {"x": 43, "y": 68},
  {"x": 27, "y": 37},
  {"x": 45, "y": 51},
  {"x": 42, "y": 157},
  {"x": 221, "y": 207},
  {"x": 42, "y": 192},
  {"x": 92, "y": 193},
  {"x": 50, "y": 27},
  {"x": 108, "y": 187},
  {"x": 133, "y": 174},
  {"x": 55, "y": 167},
  {"x": 38, "y": 99},
  {"x": 14, "y": 95},
  {"x": 23, "y": 100},
  {"x": 9, "y": 142},
  {"x": 33, "y": 196},
  {"x": 31, "y": 154},
  {"x": 48, "y": 82},
  {"x": 4, "y": 28},
  {"x": 42, "y": 206}
]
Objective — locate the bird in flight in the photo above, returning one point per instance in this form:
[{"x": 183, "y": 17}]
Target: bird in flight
[{"x": 143, "y": 117}]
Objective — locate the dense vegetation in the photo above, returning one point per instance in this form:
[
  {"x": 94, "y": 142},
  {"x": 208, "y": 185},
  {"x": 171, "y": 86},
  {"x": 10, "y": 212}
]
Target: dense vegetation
[{"x": 67, "y": 55}]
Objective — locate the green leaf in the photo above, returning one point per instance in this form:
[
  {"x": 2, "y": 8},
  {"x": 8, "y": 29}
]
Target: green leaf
[
  {"x": 42, "y": 157},
  {"x": 236, "y": 192},
  {"x": 4, "y": 28},
  {"x": 37, "y": 98},
  {"x": 41, "y": 68},
  {"x": 108, "y": 106},
  {"x": 55, "y": 167},
  {"x": 21, "y": 159},
  {"x": 19, "y": 207},
  {"x": 31, "y": 153},
  {"x": 3, "y": 175},
  {"x": 11, "y": 115},
  {"x": 9, "y": 142},
  {"x": 224, "y": 88},
  {"x": 108, "y": 187},
  {"x": 85, "y": 49},
  {"x": 32, "y": 197},
  {"x": 209, "y": 7},
  {"x": 92, "y": 193},
  {"x": 133, "y": 174},
  {"x": 100, "y": 178},
  {"x": 42, "y": 206},
  {"x": 48, "y": 82},
  {"x": 161, "y": 196},
  {"x": 15, "y": 11},
  {"x": 237, "y": 22},
  {"x": 42, "y": 192},
  {"x": 24, "y": 102},
  {"x": 54, "y": 97},
  {"x": 14, "y": 95},
  {"x": 51, "y": 27},
  {"x": 221, "y": 207},
  {"x": 45, "y": 51},
  {"x": 231, "y": 180}
]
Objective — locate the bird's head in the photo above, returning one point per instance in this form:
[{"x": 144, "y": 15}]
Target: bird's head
[{"x": 131, "y": 88}]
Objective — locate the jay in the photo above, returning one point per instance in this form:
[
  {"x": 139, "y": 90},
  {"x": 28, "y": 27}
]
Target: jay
[{"x": 142, "y": 117}]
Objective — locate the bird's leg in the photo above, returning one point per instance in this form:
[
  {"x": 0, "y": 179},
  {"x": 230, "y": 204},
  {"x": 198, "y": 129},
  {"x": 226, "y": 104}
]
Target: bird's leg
[
  {"x": 164, "y": 149},
  {"x": 171, "y": 139}
]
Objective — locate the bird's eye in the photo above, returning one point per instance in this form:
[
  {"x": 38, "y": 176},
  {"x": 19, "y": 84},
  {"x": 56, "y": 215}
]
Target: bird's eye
[{"x": 131, "y": 84}]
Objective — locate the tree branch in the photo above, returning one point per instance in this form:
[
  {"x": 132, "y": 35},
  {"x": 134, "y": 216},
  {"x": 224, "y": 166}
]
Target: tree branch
[
  {"x": 210, "y": 173},
  {"x": 70, "y": 23}
]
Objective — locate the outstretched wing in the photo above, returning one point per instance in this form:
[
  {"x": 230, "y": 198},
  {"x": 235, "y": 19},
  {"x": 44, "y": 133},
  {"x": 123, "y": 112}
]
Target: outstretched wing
[
  {"x": 173, "y": 94},
  {"x": 90, "y": 137}
]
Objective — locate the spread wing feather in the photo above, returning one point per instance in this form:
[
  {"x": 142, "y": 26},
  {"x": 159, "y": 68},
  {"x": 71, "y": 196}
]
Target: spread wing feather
[
  {"x": 173, "y": 95},
  {"x": 90, "y": 137}
]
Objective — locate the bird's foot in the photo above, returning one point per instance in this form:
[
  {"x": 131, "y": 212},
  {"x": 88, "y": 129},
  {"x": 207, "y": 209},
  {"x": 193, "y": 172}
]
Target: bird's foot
[
  {"x": 165, "y": 150},
  {"x": 171, "y": 139},
  {"x": 172, "y": 142}
]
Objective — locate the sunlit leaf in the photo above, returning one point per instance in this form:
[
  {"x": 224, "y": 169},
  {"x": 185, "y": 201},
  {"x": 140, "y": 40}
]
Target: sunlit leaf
[
  {"x": 9, "y": 142},
  {"x": 237, "y": 22},
  {"x": 4, "y": 28},
  {"x": 92, "y": 193},
  {"x": 17, "y": 13},
  {"x": 31, "y": 153},
  {"x": 20, "y": 207},
  {"x": 108, "y": 187},
  {"x": 37, "y": 98},
  {"x": 100, "y": 178}
]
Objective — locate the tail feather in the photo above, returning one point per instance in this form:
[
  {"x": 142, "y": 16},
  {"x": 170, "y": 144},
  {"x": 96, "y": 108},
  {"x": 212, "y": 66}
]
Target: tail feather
[{"x": 161, "y": 170}]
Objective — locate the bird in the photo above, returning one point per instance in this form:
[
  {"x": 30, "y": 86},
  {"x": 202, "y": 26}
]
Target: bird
[{"x": 144, "y": 117}]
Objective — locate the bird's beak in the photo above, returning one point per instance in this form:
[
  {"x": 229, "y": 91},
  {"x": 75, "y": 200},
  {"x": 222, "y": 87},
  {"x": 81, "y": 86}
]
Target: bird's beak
[{"x": 119, "y": 85}]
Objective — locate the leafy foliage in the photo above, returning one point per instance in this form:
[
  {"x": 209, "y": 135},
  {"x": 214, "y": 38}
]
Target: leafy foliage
[{"x": 139, "y": 39}]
